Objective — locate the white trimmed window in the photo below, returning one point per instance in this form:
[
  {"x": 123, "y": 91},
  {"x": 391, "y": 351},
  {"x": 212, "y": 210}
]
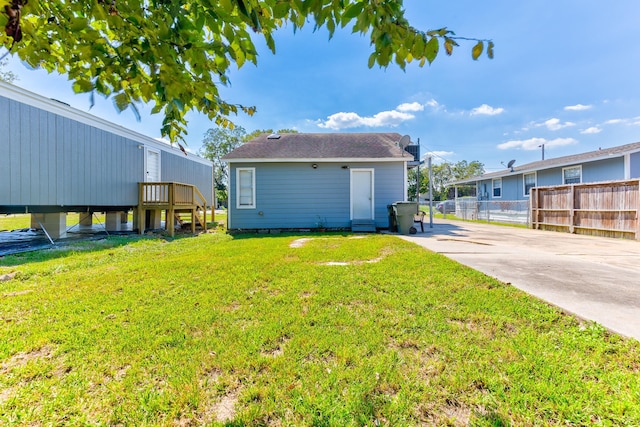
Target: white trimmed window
[
  {"x": 497, "y": 188},
  {"x": 529, "y": 180},
  {"x": 246, "y": 188},
  {"x": 572, "y": 175}
]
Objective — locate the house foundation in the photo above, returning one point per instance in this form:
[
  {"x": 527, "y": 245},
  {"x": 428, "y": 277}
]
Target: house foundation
[
  {"x": 55, "y": 224},
  {"x": 85, "y": 219},
  {"x": 113, "y": 221}
]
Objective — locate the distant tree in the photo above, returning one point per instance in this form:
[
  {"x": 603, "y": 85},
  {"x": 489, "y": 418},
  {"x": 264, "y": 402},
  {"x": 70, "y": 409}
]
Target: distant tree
[
  {"x": 443, "y": 173},
  {"x": 259, "y": 132},
  {"x": 176, "y": 54},
  {"x": 6, "y": 76},
  {"x": 216, "y": 143},
  {"x": 220, "y": 141}
]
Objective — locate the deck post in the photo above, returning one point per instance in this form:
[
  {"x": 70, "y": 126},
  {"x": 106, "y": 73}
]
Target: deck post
[{"x": 170, "y": 221}]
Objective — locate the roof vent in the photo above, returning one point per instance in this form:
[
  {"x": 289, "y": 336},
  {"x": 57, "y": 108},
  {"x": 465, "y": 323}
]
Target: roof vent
[{"x": 274, "y": 136}]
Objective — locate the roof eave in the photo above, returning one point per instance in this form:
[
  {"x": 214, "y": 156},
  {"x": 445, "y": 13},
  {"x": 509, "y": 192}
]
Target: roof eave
[{"x": 319, "y": 160}]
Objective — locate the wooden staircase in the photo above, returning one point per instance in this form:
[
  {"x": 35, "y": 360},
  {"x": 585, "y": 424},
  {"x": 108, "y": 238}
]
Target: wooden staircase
[{"x": 177, "y": 200}]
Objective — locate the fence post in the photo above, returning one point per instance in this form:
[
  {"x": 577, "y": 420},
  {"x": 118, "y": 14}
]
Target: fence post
[
  {"x": 637, "y": 210},
  {"x": 572, "y": 212}
]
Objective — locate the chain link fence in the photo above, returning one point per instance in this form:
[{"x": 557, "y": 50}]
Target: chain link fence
[{"x": 507, "y": 211}]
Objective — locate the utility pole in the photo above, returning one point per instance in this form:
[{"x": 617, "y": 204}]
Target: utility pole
[{"x": 430, "y": 192}]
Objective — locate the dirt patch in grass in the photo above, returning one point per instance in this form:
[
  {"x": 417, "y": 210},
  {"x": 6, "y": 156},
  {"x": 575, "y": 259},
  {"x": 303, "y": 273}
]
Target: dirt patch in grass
[
  {"x": 225, "y": 409},
  {"x": 21, "y": 359},
  {"x": 5, "y": 395},
  {"x": 8, "y": 276},
  {"x": 16, "y": 294}
]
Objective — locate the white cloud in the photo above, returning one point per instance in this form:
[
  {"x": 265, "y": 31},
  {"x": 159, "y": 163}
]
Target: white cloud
[
  {"x": 614, "y": 122},
  {"x": 351, "y": 120},
  {"x": 591, "y": 131},
  {"x": 433, "y": 104},
  {"x": 438, "y": 157},
  {"x": 577, "y": 107},
  {"x": 556, "y": 124},
  {"x": 413, "y": 106},
  {"x": 486, "y": 110},
  {"x": 535, "y": 143}
]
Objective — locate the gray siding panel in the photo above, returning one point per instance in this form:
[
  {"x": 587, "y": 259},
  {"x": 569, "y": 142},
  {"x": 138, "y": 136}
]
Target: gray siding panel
[
  {"x": 52, "y": 160},
  {"x": 5, "y": 157},
  {"x": 179, "y": 168},
  {"x": 294, "y": 195}
]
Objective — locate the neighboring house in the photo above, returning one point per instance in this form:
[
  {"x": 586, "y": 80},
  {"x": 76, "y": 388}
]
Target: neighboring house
[
  {"x": 515, "y": 183},
  {"x": 304, "y": 181},
  {"x": 56, "y": 159}
]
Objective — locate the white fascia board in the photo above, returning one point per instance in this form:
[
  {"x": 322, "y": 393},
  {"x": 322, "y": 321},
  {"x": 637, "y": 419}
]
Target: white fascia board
[
  {"x": 334, "y": 160},
  {"x": 16, "y": 93}
]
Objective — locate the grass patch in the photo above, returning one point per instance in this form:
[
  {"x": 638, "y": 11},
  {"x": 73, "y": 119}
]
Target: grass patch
[{"x": 256, "y": 330}]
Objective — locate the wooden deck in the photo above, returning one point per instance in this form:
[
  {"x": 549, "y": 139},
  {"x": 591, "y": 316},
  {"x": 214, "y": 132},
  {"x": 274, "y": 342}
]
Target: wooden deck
[{"x": 175, "y": 199}]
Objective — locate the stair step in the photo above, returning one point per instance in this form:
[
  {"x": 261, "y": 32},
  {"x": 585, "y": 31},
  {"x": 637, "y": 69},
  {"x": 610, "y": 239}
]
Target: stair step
[{"x": 363, "y": 225}]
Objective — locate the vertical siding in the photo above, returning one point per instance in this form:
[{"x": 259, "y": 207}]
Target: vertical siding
[
  {"x": 52, "y": 160},
  {"x": 294, "y": 195},
  {"x": 5, "y": 156},
  {"x": 178, "y": 168}
]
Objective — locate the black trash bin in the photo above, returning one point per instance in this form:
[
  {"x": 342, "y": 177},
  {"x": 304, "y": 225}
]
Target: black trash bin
[{"x": 393, "y": 218}]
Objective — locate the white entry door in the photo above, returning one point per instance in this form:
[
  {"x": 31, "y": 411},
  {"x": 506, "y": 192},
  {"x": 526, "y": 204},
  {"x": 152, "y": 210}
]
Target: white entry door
[
  {"x": 362, "y": 194},
  {"x": 152, "y": 166}
]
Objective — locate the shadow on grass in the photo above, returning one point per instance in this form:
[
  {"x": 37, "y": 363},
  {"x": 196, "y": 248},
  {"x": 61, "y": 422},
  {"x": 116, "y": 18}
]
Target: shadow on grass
[{"x": 43, "y": 250}]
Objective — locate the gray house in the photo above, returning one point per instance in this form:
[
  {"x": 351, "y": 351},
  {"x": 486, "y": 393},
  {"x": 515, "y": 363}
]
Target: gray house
[
  {"x": 515, "y": 183},
  {"x": 305, "y": 181},
  {"x": 56, "y": 159}
]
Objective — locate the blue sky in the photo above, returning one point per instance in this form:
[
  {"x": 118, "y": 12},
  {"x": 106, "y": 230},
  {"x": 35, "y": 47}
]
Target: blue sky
[{"x": 565, "y": 74}]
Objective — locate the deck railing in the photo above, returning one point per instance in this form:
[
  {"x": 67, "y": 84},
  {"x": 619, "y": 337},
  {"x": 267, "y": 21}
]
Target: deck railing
[{"x": 172, "y": 197}]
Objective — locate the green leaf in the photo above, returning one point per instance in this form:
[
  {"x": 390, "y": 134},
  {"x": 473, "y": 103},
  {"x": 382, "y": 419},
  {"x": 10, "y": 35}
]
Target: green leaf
[
  {"x": 121, "y": 101},
  {"x": 372, "y": 60},
  {"x": 351, "y": 12},
  {"x": 490, "y": 50},
  {"x": 81, "y": 86},
  {"x": 431, "y": 49},
  {"x": 477, "y": 50}
]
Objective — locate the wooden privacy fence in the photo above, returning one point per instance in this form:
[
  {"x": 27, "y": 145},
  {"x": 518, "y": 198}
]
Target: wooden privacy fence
[{"x": 602, "y": 209}]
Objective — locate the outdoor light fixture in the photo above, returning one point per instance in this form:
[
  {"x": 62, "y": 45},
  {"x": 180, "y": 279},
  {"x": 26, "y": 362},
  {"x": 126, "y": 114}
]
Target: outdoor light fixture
[
  {"x": 315, "y": 166},
  {"x": 345, "y": 167}
]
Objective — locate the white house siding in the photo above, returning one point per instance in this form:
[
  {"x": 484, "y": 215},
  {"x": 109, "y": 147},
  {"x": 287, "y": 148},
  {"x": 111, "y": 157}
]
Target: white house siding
[{"x": 295, "y": 195}]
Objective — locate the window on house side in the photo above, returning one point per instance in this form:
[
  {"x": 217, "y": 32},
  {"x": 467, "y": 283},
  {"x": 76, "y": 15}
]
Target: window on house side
[
  {"x": 497, "y": 187},
  {"x": 572, "y": 175},
  {"x": 246, "y": 188},
  {"x": 529, "y": 182}
]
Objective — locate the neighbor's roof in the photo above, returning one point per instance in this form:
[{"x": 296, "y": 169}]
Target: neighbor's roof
[
  {"x": 591, "y": 156},
  {"x": 320, "y": 146}
]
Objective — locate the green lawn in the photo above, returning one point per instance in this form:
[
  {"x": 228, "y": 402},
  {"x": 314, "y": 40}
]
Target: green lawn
[{"x": 273, "y": 331}]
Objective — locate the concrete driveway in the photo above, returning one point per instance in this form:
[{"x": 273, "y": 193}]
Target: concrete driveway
[{"x": 595, "y": 278}]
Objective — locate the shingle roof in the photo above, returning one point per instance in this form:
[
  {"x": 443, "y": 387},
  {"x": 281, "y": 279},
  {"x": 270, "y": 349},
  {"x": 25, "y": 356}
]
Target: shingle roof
[
  {"x": 291, "y": 146},
  {"x": 573, "y": 159}
]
